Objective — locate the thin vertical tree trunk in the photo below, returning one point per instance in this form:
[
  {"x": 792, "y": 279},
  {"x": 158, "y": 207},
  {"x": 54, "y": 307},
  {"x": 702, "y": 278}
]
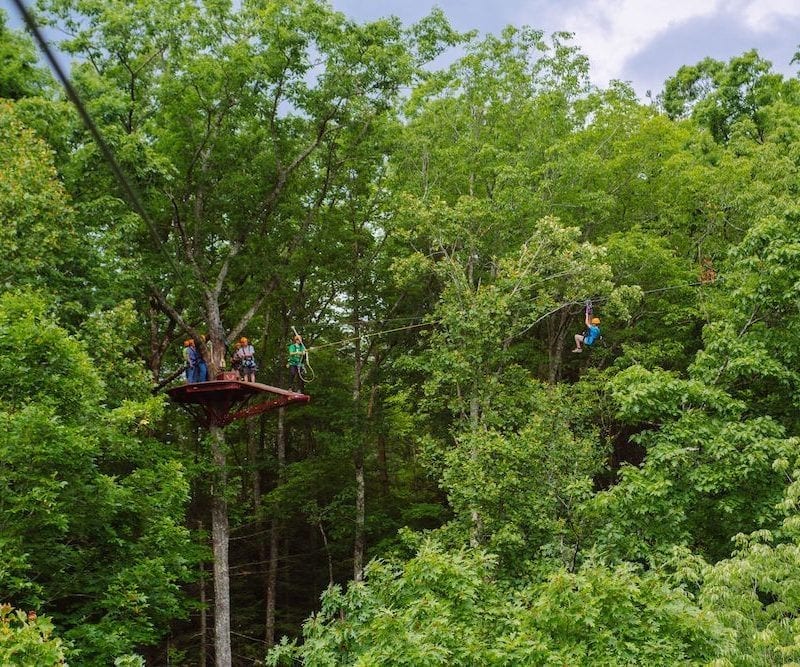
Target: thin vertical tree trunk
[
  {"x": 383, "y": 468},
  {"x": 556, "y": 337},
  {"x": 474, "y": 417},
  {"x": 203, "y": 612},
  {"x": 274, "y": 535},
  {"x": 360, "y": 542},
  {"x": 358, "y": 455},
  {"x": 254, "y": 455},
  {"x": 220, "y": 537}
]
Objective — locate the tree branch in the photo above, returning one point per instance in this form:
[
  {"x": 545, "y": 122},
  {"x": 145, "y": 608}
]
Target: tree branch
[
  {"x": 245, "y": 319},
  {"x": 170, "y": 312}
]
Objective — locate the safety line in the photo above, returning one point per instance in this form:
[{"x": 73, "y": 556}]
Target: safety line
[
  {"x": 530, "y": 326},
  {"x": 374, "y": 333},
  {"x": 133, "y": 198}
]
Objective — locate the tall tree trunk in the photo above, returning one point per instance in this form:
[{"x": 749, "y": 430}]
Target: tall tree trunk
[
  {"x": 556, "y": 336},
  {"x": 216, "y": 335},
  {"x": 254, "y": 456},
  {"x": 274, "y": 534},
  {"x": 359, "y": 546},
  {"x": 358, "y": 455},
  {"x": 383, "y": 468},
  {"x": 220, "y": 537},
  {"x": 203, "y": 612},
  {"x": 474, "y": 418}
]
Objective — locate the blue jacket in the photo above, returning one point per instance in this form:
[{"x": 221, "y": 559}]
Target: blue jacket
[{"x": 592, "y": 335}]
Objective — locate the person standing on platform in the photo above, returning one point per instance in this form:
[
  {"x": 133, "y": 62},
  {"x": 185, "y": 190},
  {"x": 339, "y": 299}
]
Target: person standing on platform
[
  {"x": 297, "y": 356},
  {"x": 190, "y": 358},
  {"x": 247, "y": 357}
]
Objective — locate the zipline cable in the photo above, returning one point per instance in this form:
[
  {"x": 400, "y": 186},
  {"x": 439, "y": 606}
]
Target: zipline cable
[
  {"x": 130, "y": 192},
  {"x": 528, "y": 328},
  {"x": 374, "y": 333}
]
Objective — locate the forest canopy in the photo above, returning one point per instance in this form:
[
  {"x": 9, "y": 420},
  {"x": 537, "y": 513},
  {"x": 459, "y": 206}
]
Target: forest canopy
[{"x": 469, "y": 484}]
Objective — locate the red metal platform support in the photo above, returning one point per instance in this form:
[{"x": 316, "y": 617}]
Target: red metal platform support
[{"x": 225, "y": 399}]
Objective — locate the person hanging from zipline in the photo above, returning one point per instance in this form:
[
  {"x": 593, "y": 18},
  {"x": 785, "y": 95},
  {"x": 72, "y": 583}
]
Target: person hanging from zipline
[
  {"x": 296, "y": 365},
  {"x": 592, "y": 333},
  {"x": 247, "y": 360}
]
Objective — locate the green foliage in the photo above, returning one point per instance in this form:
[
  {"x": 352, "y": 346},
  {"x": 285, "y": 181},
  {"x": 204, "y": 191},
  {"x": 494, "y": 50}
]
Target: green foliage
[
  {"x": 448, "y": 608},
  {"x": 525, "y": 476},
  {"x": 719, "y": 94},
  {"x": 630, "y": 505},
  {"x": 37, "y": 230},
  {"x": 90, "y": 515},
  {"x": 20, "y": 74},
  {"x": 27, "y": 640}
]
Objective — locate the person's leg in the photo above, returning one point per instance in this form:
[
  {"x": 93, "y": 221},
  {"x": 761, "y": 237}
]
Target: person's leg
[{"x": 578, "y": 341}]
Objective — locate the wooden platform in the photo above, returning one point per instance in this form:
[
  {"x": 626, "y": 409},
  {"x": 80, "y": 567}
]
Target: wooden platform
[{"x": 222, "y": 401}]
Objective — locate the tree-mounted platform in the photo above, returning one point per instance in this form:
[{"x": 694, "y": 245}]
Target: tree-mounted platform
[{"x": 221, "y": 401}]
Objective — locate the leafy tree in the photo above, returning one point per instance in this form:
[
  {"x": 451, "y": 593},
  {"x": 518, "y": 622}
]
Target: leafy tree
[
  {"x": 41, "y": 245},
  {"x": 719, "y": 94},
  {"x": 20, "y": 73},
  {"x": 447, "y": 608},
  {"x": 27, "y": 639},
  {"x": 91, "y": 506}
]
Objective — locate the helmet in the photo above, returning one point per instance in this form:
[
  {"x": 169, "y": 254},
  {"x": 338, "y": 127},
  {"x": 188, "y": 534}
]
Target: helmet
[
  {"x": 188, "y": 342},
  {"x": 297, "y": 337},
  {"x": 595, "y": 320},
  {"x": 243, "y": 340}
]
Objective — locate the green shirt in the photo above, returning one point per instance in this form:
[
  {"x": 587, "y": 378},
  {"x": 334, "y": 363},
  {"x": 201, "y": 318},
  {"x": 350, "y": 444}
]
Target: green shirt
[{"x": 296, "y": 353}]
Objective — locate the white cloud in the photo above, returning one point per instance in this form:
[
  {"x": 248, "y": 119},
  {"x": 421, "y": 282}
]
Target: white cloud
[
  {"x": 610, "y": 32},
  {"x": 765, "y": 15}
]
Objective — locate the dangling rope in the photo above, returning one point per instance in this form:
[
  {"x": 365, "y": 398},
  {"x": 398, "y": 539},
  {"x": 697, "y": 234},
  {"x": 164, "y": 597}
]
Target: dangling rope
[{"x": 305, "y": 370}]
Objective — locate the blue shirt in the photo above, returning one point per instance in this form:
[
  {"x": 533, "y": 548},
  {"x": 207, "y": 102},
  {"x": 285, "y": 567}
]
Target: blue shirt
[{"x": 593, "y": 335}]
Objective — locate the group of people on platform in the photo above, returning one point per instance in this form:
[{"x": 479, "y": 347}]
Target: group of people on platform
[{"x": 243, "y": 360}]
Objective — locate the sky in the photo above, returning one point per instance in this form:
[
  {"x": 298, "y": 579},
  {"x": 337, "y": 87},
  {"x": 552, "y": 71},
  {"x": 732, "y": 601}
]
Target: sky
[{"x": 640, "y": 41}]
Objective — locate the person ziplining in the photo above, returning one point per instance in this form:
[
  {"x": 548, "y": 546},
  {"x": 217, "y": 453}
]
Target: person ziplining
[{"x": 592, "y": 333}]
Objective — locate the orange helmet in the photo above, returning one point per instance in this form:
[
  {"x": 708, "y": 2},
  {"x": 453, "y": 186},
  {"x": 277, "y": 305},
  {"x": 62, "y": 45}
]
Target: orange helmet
[
  {"x": 188, "y": 342},
  {"x": 595, "y": 320},
  {"x": 243, "y": 340}
]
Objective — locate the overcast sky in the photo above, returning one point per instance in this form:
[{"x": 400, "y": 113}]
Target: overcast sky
[{"x": 641, "y": 41}]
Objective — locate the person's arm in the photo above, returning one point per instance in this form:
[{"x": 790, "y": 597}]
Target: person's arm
[{"x": 588, "y": 321}]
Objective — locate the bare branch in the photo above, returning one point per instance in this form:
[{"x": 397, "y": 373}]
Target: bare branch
[
  {"x": 165, "y": 307},
  {"x": 186, "y": 242},
  {"x": 223, "y": 272},
  {"x": 245, "y": 319}
]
